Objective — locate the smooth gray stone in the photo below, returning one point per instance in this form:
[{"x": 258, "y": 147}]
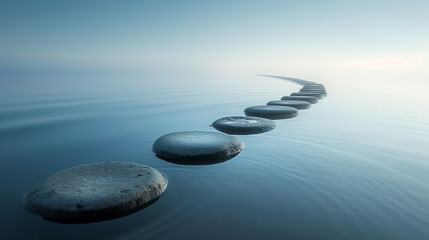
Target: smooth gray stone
[
  {"x": 197, "y": 147},
  {"x": 243, "y": 125},
  {"x": 95, "y": 192},
  {"x": 314, "y": 91},
  {"x": 309, "y": 99},
  {"x": 271, "y": 112},
  {"x": 291, "y": 103},
  {"x": 318, "y": 95},
  {"x": 314, "y": 85},
  {"x": 313, "y": 88}
]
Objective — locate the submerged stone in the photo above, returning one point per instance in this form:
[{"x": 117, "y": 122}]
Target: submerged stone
[
  {"x": 318, "y": 95},
  {"x": 243, "y": 125},
  {"x": 271, "y": 112},
  {"x": 291, "y": 103},
  {"x": 95, "y": 192},
  {"x": 302, "y": 98},
  {"x": 197, "y": 147}
]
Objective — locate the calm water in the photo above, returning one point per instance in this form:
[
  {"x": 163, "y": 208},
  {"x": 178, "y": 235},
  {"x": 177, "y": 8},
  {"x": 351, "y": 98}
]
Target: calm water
[{"x": 347, "y": 168}]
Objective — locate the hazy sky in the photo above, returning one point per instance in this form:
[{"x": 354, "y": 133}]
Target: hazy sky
[{"x": 335, "y": 41}]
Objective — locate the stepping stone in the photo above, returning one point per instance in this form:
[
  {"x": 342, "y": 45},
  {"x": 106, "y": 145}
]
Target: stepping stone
[
  {"x": 313, "y": 88},
  {"x": 315, "y": 91},
  {"x": 315, "y": 85},
  {"x": 309, "y": 99},
  {"x": 197, "y": 147},
  {"x": 321, "y": 94},
  {"x": 95, "y": 192},
  {"x": 271, "y": 112},
  {"x": 291, "y": 103},
  {"x": 243, "y": 125},
  {"x": 308, "y": 94}
]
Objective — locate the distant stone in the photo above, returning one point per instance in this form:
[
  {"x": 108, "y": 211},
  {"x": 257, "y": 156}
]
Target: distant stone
[
  {"x": 308, "y": 94},
  {"x": 271, "y": 112},
  {"x": 291, "y": 103},
  {"x": 95, "y": 192},
  {"x": 197, "y": 147},
  {"x": 309, "y": 99},
  {"x": 243, "y": 125}
]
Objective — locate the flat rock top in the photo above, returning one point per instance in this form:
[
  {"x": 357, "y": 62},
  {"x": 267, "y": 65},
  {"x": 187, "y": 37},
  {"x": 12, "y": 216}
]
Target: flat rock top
[
  {"x": 271, "y": 108},
  {"x": 313, "y": 89},
  {"x": 314, "y": 94},
  {"x": 292, "y": 103},
  {"x": 197, "y": 146},
  {"x": 95, "y": 192},
  {"x": 243, "y": 125},
  {"x": 324, "y": 93},
  {"x": 272, "y": 111},
  {"x": 309, "y": 99},
  {"x": 313, "y": 86}
]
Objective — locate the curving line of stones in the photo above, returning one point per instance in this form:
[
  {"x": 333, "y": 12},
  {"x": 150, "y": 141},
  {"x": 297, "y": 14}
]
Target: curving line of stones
[{"x": 107, "y": 190}]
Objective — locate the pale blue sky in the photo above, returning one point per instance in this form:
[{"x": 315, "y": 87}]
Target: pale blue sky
[{"x": 305, "y": 39}]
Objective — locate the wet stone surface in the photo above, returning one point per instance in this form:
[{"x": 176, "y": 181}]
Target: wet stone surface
[
  {"x": 309, "y": 94},
  {"x": 95, "y": 192},
  {"x": 243, "y": 125},
  {"x": 309, "y": 99},
  {"x": 291, "y": 103},
  {"x": 272, "y": 112},
  {"x": 314, "y": 91},
  {"x": 197, "y": 147}
]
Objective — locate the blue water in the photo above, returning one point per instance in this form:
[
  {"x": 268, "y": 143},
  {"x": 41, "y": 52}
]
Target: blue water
[{"x": 347, "y": 168}]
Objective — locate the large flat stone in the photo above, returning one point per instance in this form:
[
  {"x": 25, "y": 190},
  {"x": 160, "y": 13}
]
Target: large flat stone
[
  {"x": 197, "y": 147},
  {"x": 308, "y": 94},
  {"x": 271, "y": 112},
  {"x": 309, "y": 99},
  {"x": 314, "y": 91},
  {"x": 291, "y": 103},
  {"x": 95, "y": 192},
  {"x": 243, "y": 125}
]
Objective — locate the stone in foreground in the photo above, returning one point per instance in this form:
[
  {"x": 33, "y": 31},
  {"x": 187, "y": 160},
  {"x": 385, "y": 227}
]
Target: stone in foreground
[
  {"x": 271, "y": 112},
  {"x": 309, "y": 99},
  {"x": 197, "y": 147},
  {"x": 291, "y": 103},
  {"x": 95, "y": 192},
  {"x": 308, "y": 94},
  {"x": 243, "y": 125}
]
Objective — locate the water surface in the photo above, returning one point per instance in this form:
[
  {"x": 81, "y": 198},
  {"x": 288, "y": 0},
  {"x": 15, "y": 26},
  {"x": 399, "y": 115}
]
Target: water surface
[{"x": 347, "y": 168}]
